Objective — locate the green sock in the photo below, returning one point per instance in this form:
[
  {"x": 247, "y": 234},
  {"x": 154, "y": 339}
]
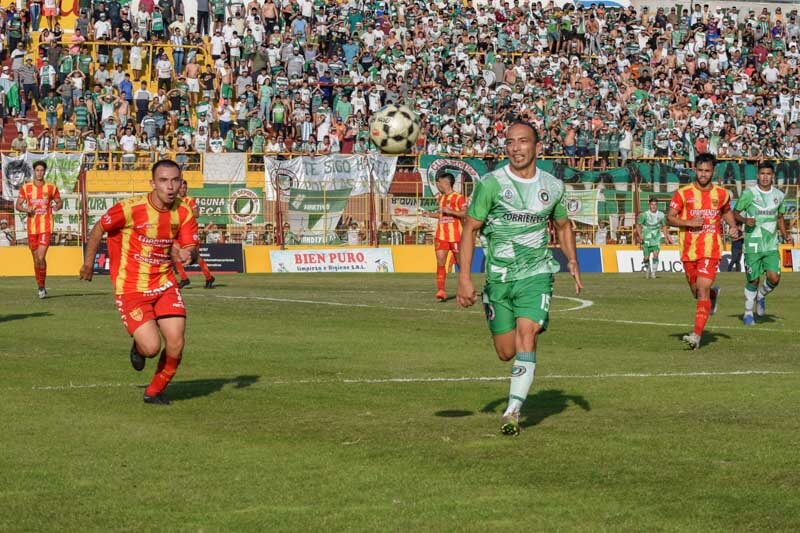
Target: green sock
[{"x": 521, "y": 380}]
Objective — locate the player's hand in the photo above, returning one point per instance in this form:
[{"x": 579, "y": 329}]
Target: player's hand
[
  {"x": 466, "y": 295},
  {"x": 733, "y": 231},
  {"x": 750, "y": 222},
  {"x": 696, "y": 222},
  {"x": 575, "y": 271},
  {"x": 181, "y": 255},
  {"x": 87, "y": 271}
]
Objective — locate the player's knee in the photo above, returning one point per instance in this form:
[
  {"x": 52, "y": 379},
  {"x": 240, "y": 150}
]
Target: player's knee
[
  {"x": 505, "y": 353},
  {"x": 148, "y": 347},
  {"x": 174, "y": 346},
  {"x": 774, "y": 278}
]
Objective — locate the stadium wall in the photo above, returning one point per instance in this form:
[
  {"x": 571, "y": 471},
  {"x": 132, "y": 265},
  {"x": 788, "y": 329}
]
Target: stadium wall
[{"x": 408, "y": 259}]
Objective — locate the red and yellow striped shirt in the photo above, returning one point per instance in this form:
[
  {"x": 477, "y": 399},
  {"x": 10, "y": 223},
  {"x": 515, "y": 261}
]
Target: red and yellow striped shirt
[
  {"x": 140, "y": 238},
  {"x": 191, "y": 202},
  {"x": 40, "y": 198},
  {"x": 690, "y": 202},
  {"x": 449, "y": 227}
]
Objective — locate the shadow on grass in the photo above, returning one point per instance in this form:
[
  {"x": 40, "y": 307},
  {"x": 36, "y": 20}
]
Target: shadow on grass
[
  {"x": 765, "y": 318},
  {"x": 196, "y": 388},
  {"x": 76, "y": 295},
  {"x": 454, "y": 413},
  {"x": 23, "y": 316},
  {"x": 709, "y": 337},
  {"x": 538, "y": 406}
]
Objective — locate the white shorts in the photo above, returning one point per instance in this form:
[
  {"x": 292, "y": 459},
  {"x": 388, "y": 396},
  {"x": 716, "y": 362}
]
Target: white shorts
[{"x": 193, "y": 84}]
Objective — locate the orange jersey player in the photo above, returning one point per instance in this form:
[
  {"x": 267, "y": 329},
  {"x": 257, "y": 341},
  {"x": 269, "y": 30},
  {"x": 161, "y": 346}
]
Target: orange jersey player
[
  {"x": 698, "y": 210},
  {"x": 146, "y": 234},
  {"x": 39, "y": 200},
  {"x": 192, "y": 203},
  {"x": 452, "y": 209}
]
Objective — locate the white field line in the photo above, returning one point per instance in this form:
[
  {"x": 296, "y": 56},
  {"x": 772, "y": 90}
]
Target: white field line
[
  {"x": 466, "y": 379},
  {"x": 582, "y": 304}
]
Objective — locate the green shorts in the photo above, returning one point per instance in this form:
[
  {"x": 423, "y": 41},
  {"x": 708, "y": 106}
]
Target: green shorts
[
  {"x": 525, "y": 298},
  {"x": 756, "y": 264},
  {"x": 650, "y": 249},
  {"x": 226, "y": 91}
]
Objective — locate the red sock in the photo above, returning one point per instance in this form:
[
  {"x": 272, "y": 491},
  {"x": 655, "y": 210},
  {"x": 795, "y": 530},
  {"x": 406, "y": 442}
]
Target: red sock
[
  {"x": 701, "y": 313},
  {"x": 162, "y": 360},
  {"x": 44, "y": 275},
  {"x": 441, "y": 274},
  {"x": 39, "y": 276},
  {"x": 181, "y": 271},
  {"x": 163, "y": 375},
  {"x": 204, "y": 268}
]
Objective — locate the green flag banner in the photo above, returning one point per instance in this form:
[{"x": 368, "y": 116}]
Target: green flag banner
[
  {"x": 582, "y": 206},
  {"x": 314, "y": 214}
]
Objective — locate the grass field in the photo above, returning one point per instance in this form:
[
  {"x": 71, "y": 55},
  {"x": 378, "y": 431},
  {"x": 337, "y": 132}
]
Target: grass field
[{"x": 354, "y": 402}]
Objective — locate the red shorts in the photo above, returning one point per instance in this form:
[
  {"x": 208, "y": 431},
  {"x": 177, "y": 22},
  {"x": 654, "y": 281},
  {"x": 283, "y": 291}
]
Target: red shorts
[
  {"x": 35, "y": 240},
  {"x": 445, "y": 245},
  {"x": 136, "y": 309},
  {"x": 702, "y": 268}
]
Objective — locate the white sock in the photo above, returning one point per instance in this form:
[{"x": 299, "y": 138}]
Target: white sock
[
  {"x": 521, "y": 380},
  {"x": 749, "y": 299},
  {"x": 765, "y": 288}
]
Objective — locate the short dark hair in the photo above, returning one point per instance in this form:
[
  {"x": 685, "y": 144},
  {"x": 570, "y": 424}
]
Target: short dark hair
[
  {"x": 164, "y": 163},
  {"x": 521, "y": 122},
  {"x": 41, "y": 163},
  {"x": 653, "y": 199},
  {"x": 706, "y": 157},
  {"x": 766, "y": 164},
  {"x": 444, "y": 174}
]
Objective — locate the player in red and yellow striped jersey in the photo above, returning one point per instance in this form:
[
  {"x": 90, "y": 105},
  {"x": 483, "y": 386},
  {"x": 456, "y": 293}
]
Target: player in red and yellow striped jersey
[
  {"x": 452, "y": 209},
  {"x": 698, "y": 210},
  {"x": 192, "y": 203},
  {"x": 39, "y": 200},
  {"x": 146, "y": 234}
]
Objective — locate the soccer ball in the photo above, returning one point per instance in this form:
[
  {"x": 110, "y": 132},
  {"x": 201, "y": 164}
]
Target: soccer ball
[{"x": 394, "y": 129}]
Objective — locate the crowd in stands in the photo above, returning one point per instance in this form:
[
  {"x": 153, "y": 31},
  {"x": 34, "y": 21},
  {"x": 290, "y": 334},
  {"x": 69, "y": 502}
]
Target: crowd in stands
[{"x": 303, "y": 76}]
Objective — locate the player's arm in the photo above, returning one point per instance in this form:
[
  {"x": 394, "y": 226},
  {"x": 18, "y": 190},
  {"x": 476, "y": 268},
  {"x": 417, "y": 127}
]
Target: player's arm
[
  {"x": 184, "y": 248},
  {"x": 460, "y": 211},
  {"x": 739, "y": 217},
  {"x": 466, "y": 295},
  {"x": 665, "y": 231},
  {"x": 566, "y": 241},
  {"x": 92, "y": 244},
  {"x": 22, "y": 203},
  {"x": 57, "y": 203},
  {"x": 738, "y": 213}
]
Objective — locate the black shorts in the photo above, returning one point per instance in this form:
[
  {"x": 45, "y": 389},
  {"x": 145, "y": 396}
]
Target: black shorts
[{"x": 603, "y": 154}]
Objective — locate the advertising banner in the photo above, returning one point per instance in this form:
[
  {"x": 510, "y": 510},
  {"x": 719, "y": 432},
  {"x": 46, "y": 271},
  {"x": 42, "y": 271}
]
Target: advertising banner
[
  {"x": 329, "y": 172},
  {"x": 795, "y": 259},
  {"x": 348, "y": 260},
  {"x": 668, "y": 261},
  {"x": 226, "y": 258},
  {"x": 223, "y": 204}
]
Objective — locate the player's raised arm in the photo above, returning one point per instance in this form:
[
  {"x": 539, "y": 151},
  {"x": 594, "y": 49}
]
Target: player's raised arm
[
  {"x": 566, "y": 241},
  {"x": 466, "y": 295},
  {"x": 92, "y": 244}
]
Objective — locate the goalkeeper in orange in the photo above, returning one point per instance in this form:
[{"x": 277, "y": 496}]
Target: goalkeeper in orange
[
  {"x": 452, "y": 210},
  {"x": 192, "y": 203}
]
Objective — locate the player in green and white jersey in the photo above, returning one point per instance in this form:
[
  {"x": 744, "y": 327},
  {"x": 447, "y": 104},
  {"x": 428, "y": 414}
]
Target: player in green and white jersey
[
  {"x": 512, "y": 207},
  {"x": 651, "y": 230},
  {"x": 761, "y": 209}
]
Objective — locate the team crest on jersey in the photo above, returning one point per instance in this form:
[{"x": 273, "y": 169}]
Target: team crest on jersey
[
  {"x": 714, "y": 203},
  {"x": 137, "y": 314},
  {"x": 775, "y": 201},
  {"x": 508, "y": 194},
  {"x": 544, "y": 196}
]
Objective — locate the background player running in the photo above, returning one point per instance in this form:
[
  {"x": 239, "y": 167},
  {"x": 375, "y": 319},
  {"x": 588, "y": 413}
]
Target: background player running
[
  {"x": 651, "y": 229},
  {"x": 210, "y": 279},
  {"x": 452, "y": 209}
]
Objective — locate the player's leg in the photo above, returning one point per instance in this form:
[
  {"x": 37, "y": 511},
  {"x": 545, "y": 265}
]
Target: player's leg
[
  {"x": 690, "y": 271},
  {"x": 654, "y": 262},
  {"x": 772, "y": 269},
  {"x": 34, "y": 243},
  {"x": 703, "y": 305},
  {"x": 210, "y": 279},
  {"x": 646, "y": 261},
  {"x": 171, "y": 316},
  {"x": 172, "y": 329},
  {"x": 182, "y": 274},
  {"x": 753, "y": 271},
  {"x": 441, "y": 269}
]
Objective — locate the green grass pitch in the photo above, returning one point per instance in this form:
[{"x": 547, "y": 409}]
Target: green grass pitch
[{"x": 356, "y": 402}]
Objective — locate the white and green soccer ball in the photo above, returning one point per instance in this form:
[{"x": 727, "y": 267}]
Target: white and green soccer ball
[{"x": 394, "y": 129}]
